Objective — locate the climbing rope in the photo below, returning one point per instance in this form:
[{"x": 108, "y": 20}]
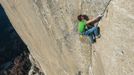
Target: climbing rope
[
  {"x": 97, "y": 10},
  {"x": 106, "y": 6}
]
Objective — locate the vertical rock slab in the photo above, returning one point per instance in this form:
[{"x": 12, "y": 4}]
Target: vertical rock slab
[{"x": 115, "y": 47}]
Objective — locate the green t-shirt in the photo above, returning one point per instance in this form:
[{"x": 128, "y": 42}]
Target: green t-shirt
[{"x": 81, "y": 26}]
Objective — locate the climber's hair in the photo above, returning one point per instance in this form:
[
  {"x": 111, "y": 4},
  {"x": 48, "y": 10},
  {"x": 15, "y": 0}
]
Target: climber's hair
[
  {"x": 79, "y": 17},
  {"x": 85, "y": 17}
]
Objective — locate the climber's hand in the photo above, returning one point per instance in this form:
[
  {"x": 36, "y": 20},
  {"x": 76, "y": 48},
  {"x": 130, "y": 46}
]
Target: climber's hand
[{"x": 100, "y": 15}]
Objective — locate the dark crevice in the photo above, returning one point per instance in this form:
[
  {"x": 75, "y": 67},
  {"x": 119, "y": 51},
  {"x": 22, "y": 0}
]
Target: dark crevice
[{"x": 14, "y": 54}]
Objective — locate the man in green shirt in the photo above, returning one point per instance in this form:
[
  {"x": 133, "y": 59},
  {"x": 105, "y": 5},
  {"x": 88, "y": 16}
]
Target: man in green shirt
[{"x": 84, "y": 24}]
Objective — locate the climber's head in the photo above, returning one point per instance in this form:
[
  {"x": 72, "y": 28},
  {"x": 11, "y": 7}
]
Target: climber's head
[
  {"x": 80, "y": 17},
  {"x": 85, "y": 17}
]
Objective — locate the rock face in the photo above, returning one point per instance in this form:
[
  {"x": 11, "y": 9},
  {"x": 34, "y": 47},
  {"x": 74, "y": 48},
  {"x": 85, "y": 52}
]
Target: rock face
[
  {"x": 115, "y": 48},
  {"x": 49, "y": 29}
]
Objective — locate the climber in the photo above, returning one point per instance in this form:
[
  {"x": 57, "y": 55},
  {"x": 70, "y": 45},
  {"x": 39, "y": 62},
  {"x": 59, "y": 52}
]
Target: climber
[
  {"x": 85, "y": 27},
  {"x": 92, "y": 25}
]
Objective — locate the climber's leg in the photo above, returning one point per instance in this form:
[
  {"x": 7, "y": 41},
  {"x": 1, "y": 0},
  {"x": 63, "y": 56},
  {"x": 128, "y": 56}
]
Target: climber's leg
[
  {"x": 98, "y": 30},
  {"x": 91, "y": 37},
  {"x": 92, "y": 30}
]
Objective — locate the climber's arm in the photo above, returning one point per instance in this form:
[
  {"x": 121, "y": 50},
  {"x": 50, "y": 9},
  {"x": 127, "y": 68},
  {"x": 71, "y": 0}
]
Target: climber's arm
[{"x": 97, "y": 19}]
